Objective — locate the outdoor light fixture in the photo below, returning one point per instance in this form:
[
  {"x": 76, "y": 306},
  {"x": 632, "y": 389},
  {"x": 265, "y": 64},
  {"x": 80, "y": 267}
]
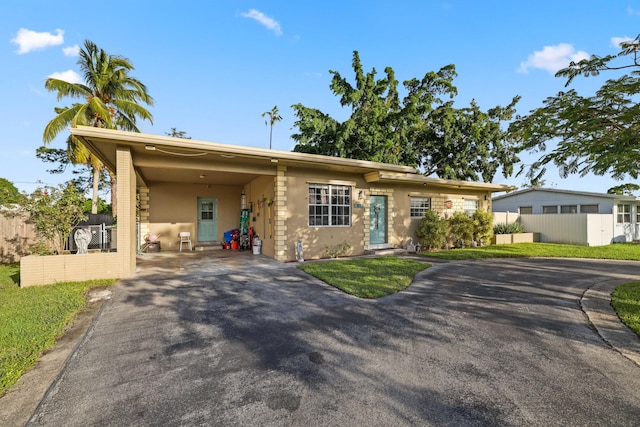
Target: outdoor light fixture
[
  {"x": 150, "y": 147},
  {"x": 202, "y": 176},
  {"x": 274, "y": 160}
]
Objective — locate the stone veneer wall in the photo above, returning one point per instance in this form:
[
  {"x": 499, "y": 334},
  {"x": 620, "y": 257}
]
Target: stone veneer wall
[
  {"x": 143, "y": 200},
  {"x": 280, "y": 215}
]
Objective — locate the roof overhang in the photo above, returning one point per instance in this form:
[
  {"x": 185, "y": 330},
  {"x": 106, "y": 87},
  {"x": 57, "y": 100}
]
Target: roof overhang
[
  {"x": 169, "y": 159},
  {"x": 164, "y": 158},
  {"x": 429, "y": 182}
]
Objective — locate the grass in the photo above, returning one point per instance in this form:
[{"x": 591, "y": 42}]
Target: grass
[
  {"x": 619, "y": 251},
  {"x": 31, "y": 319},
  {"x": 626, "y": 301},
  {"x": 367, "y": 277}
]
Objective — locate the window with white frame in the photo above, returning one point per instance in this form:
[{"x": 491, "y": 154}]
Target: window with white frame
[
  {"x": 420, "y": 206},
  {"x": 624, "y": 214},
  {"x": 549, "y": 209},
  {"x": 569, "y": 209},
  {"x": 329, "y": 205},
  {"x": 589, "y": 209},
  {"x": 525, "y": 210},
  {"x": 470, "y": 206}
]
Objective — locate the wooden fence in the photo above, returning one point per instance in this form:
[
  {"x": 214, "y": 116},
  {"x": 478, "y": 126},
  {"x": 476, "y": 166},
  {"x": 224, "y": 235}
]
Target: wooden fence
[{"x": 17, "y": 235}]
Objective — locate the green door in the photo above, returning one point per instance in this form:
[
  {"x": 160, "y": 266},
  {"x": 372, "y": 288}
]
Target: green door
[
  {"x": 378, "y": 220},
  {"x": 207, "y": 219}
]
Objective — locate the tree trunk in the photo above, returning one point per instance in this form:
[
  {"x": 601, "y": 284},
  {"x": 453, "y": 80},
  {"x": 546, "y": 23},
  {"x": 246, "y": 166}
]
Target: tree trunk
[
  {"x": 113, "y": 180},
  {"x": 94, "y": 196}
]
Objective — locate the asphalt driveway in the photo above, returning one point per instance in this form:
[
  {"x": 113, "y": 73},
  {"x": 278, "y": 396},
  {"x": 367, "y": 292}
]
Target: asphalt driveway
[{"x": 196, "y": 341}]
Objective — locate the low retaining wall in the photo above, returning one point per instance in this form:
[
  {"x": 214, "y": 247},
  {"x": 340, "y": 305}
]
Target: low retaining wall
[
  {"x": 507, "y": 239},
  {"x": 46, "y": 270}
]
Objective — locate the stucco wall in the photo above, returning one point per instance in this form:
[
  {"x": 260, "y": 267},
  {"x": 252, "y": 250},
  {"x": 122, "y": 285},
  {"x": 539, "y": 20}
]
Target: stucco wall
[
  {"x": 45, "y": 270},
  {"x": 174, "y": 208},
  {"x": 260, "y": 195},
  {"x": 314, "y": 239}
]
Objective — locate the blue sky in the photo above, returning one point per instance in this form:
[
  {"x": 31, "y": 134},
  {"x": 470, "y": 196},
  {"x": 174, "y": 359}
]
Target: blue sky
[{"x": 213, "y": 67}]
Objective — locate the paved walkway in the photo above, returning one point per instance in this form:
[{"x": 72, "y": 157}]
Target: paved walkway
[{"x": 195, "y": 340}]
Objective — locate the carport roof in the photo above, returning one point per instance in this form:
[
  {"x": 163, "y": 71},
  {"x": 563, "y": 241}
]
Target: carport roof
[{"x": 168, "y": 159}]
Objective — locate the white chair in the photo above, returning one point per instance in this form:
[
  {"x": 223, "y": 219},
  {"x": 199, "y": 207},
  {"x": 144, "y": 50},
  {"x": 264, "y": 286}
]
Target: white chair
[{"x": 185, "y": 237}]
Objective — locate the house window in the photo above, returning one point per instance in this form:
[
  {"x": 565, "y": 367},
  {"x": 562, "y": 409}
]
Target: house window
[
  {"x": 569, "y": 209},
  {"x": 525, "y": 210},
  {"x": 549, "y": 209},
  {"x": 470, "y": 206},
  {"x": 329, "y": 205},
  {"x": 624, "y": 214},
  {"x": 420, "y": 206},
  {"x": 589, "y": 209}
]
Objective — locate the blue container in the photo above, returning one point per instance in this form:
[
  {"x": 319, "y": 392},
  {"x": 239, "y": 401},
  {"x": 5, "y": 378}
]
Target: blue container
[{"x": 229, "y": 234}]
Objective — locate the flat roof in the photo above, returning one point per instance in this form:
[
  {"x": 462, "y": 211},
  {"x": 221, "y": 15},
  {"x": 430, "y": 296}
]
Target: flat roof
[{"x": 165, "y": 158}]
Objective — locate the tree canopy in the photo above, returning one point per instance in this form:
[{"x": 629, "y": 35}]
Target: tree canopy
[
  {"x": 595, "y": 134},
  {"x": 110, "y": 98},
  {"x": 423, "y": 129},
  {"x": 9, "y": 194}
]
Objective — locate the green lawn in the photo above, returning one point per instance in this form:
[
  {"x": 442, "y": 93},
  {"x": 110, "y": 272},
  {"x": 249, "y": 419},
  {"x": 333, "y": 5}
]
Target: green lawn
[
  {"x": 31, "y": 319},
  {"x": 621, "y": 251},
  {"x": 367, "y": 277},
  {"x": 626, "y": 301}
]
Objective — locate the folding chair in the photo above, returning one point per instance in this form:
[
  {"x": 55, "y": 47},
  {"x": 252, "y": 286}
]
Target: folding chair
[{"x": 185, "y": 237}]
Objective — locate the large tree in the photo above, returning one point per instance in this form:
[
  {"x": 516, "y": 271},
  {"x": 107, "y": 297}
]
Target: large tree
[
  {"x": 423, "y": 129},
  {"x": 9, "y": 194},
  {"x": 111, "y": 98},
  {"x": 596, "y": 134}
]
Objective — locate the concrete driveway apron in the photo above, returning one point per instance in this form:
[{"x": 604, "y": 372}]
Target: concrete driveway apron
[{"x": 245, "y": 341}]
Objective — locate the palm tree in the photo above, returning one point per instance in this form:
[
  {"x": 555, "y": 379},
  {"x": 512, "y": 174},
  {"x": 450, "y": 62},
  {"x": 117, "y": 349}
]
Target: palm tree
[
  {"x": 274, "y": 116},
  {"x": 110, "y": 99}
]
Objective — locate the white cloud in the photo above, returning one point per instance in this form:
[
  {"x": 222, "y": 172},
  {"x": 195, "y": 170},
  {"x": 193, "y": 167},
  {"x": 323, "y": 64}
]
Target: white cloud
[
  {"x": 632, "y": 11},
  {"x": 28, "y": 40},
  {"x": 263, "y": 19},
  {"x": 68, "y": 76},
  {"x": 552, "y": 58},
  {"x": 71, "y": 50}
]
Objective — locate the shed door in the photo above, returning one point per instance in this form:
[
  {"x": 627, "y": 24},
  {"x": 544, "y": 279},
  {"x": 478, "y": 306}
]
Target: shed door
[{"x": 207, "y": 219}]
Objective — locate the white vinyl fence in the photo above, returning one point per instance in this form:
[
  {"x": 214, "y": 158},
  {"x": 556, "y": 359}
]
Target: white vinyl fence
[{"x": 573, "y": 229}]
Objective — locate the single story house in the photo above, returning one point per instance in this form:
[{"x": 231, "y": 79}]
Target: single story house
[
  {"x": 579, "y": 217},
  {"x": 169, "y": 185}
]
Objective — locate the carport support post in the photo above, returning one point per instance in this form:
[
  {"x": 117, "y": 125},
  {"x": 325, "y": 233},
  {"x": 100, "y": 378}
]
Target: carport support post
[
  {"x": 280, "y": 215},
  {"x": 126, "y": 210}
]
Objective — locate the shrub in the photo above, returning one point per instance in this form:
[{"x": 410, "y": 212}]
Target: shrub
[
  {"x": 460, "y": 231},
  {"x": 431, "y": 231},
  {"x": 482, "y": 226},
  {"x": 504, "y": 228}
]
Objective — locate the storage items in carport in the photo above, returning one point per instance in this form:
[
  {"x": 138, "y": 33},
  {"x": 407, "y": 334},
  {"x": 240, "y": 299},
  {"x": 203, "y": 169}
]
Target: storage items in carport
[{"x": 231, "y": 239}]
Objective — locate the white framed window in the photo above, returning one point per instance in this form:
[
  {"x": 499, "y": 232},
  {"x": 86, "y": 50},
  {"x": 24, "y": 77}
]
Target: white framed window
[
  {"x": 549, "y": 209},
  {"x": 525, "y": 210},
  {"x": 589, "y": 209},
  {"x": 470, "y": 206},
  {"x": 624, "y": 214},
  {"x": 329, "y": 205},
  {"x": 569, "y": 209},
  {"x": 420, "y": 206}
]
